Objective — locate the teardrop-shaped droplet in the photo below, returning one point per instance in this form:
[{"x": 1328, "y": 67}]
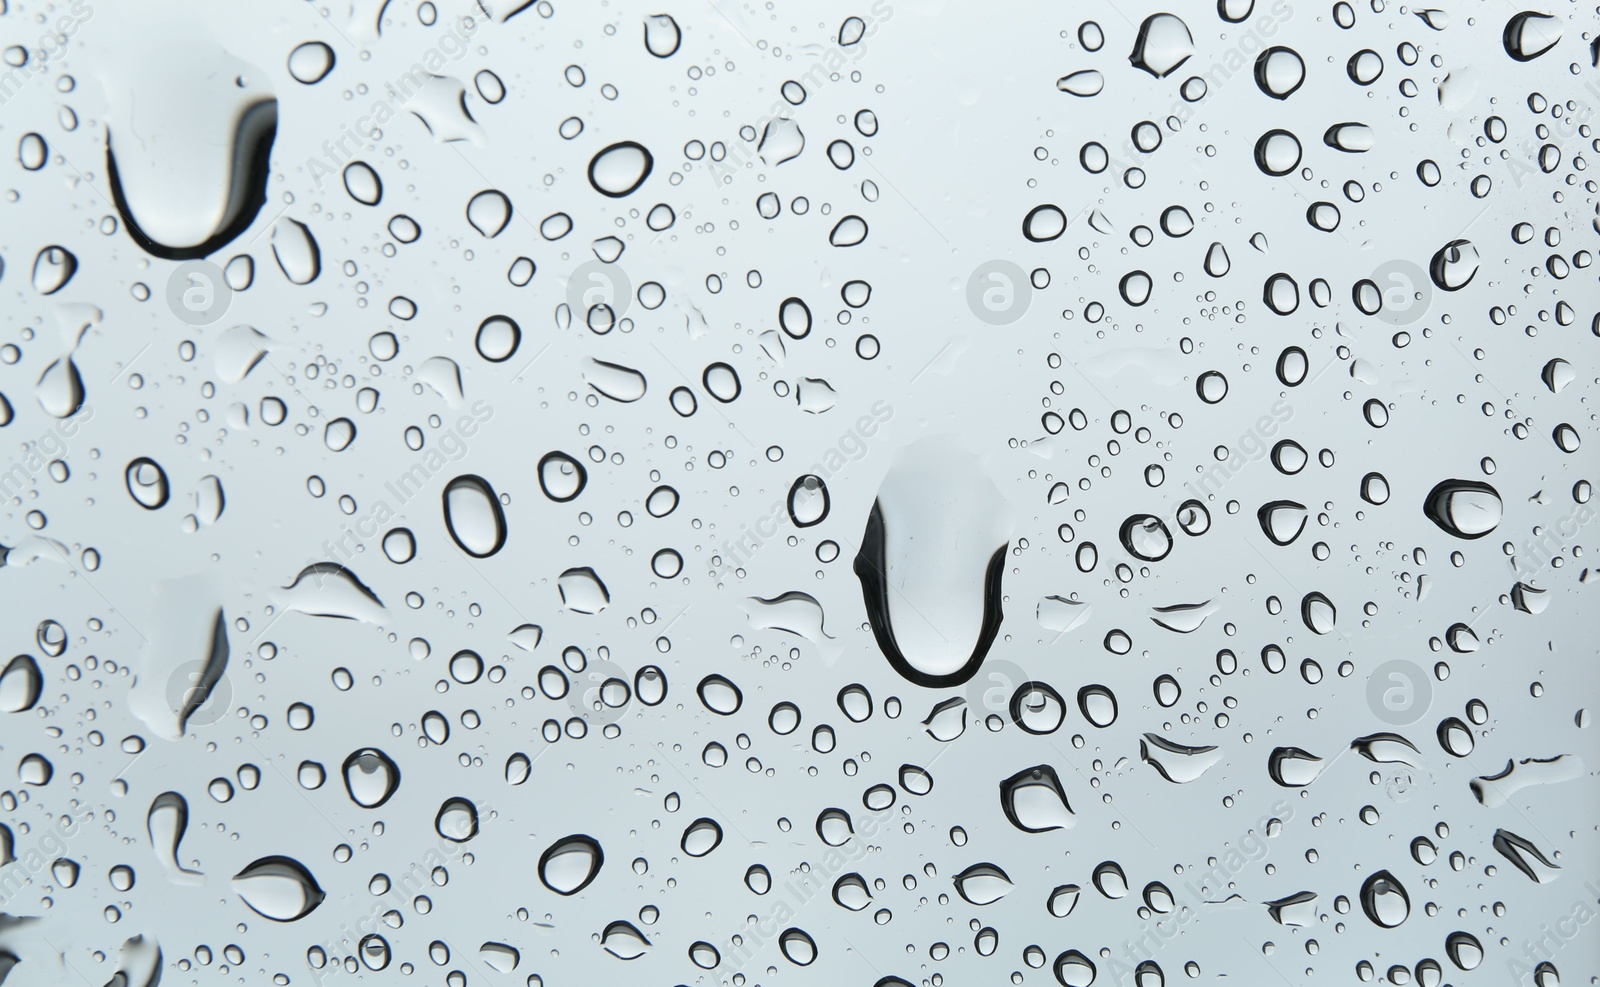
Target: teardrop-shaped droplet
[
  {"x": 938, "y": 533},
  {"x": 1464, "y": 950},
  {"x": 296, "y": 251},
  {"x": 1084, "y": 82},
  {"x": 848, "y": 232},
  {"x": 1318, "y": 613},
  {"x": 60, "y": 388},
  {"x": 1063, "y": 899},
  {"x": 1034, "y": 801},
  {"x": 489, "y": 211},
  {"x": 53, "y": 267},
  {"x": 279, "y": 888},
  {"x": 1109, "y": 879},
  {"x": 1164, "y": 43},
  {"x": 363, "y": 183},
  {"x": 1217, "y": 263},
  {"x": 1530, "y": 34},
  {"x": 20, "y": 684},
  {"x": 982, "y": 884},
  {"x": 1293, "y": 767},
  {"x": 1177, "y": 763}
]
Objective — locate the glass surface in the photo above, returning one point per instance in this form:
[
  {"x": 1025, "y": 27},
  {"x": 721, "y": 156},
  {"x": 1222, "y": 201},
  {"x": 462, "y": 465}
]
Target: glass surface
[{"x": 890, "y": 493}]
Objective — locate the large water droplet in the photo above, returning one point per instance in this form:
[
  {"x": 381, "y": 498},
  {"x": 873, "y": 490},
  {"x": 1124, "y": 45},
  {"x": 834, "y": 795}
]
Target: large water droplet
[
  {"x": 931, "y": 563},
  {"x": 620, "y": 168},
  {"x": 1464, "y": 508},
  {"x": 473, "y": 516},
  {"x": 571, "y": 864},
  {"x": 371, "y": 777},
  {"x": 278, "y": 888}
]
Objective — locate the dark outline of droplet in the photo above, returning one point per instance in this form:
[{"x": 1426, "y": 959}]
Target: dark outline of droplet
[
  {"x": 445, "y": 806},
  {"x": 258, "y": 126},
  {"x": 1042, "y": 775},
  {"x": 1036, "y": 210},
  {"x": 705, "y": 380},
  {"x": 583, "y": 475},
  {"x": 597, "y": 855},
  {"x": 1200, "y": 386},
  {"x": 345, "y": 174},
  {"x": 1264, "y": 516},
  {"x": 1136, "y": 57},
  {"x": 700, "y": 825},
  {"x": 1436, "y": 266},
  {"x": 738, "y": 694},
  {"x": 1513, "y": 31},
  {"x": 1095, "y": 689},
  {"x": 166, "y": 487},
  {"x": 870, "y": 566},
  {"x": 1021, "y": 693},
  {"x": 794, "y": 933},
  {"x": 676, "y": 45},
  {"x": 1433, "y": 507},
  {"x": 649, "y": 165},
  {"x": 516, "y": 338},
  {"x": 827, "y": 501},
  {"x": 1125, "y": 532},
  {"x": 1283, "y": 358},
  {"x": 1261, "y": 71},
  {"x": 1281, "y": 754},
  {"x": 386, "y": 760},
  {"x": 277, "y": 863},
  {"x": 807, "y": 308},
  {"x": 1315, "y": 596},
  {"x": 1443, "y": 730},
  {"x": 1261, "y": 152},
  {"x": 483, "y": 487},
  {"x": 640, "y": 674}
]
